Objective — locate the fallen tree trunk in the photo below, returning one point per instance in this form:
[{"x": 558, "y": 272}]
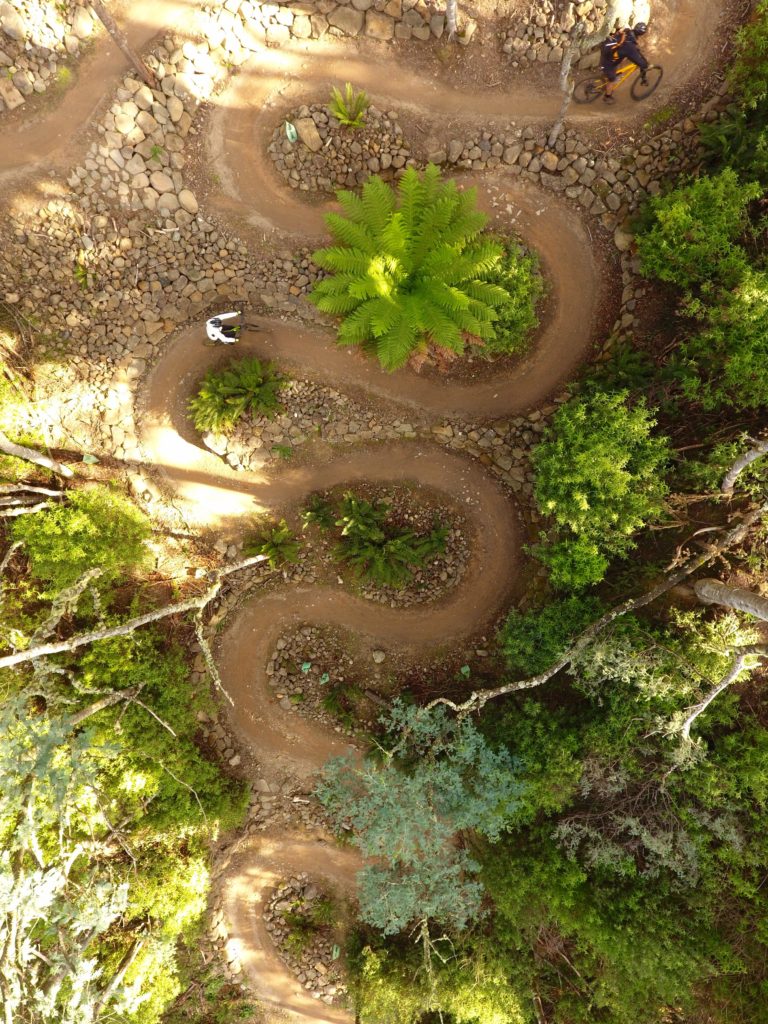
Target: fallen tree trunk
[
  {"x": 20, "y": 451},
  {"x": 121, "y": 40}
]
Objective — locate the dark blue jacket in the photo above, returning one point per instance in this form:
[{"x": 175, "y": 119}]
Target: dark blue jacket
[{"x": 621, "y": 46}]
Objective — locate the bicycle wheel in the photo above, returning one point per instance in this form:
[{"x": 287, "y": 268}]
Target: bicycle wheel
[
  {"x": 640, "y": 89},
  {"x": 588, "y": 89}
]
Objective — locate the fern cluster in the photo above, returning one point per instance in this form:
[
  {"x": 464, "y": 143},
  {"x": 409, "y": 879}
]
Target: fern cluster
[
  {"x": 244, "y": 386},
  {"x": 277, "y": 541},
  {"x": 377, "y": 550},
  {"x": 410, "y": 268}
]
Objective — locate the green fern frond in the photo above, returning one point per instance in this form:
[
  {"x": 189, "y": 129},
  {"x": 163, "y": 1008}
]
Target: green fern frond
[
  {"x": 347, "y": 232},
  {"x": 351, "y": 204},
  {"x": 378, "y": 204}
]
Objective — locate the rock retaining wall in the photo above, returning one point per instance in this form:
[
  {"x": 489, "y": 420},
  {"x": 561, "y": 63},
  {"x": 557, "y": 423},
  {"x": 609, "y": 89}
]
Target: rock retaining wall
[
  {"x": 544, "y": 33},
  {"x": 37, "y": 37}
]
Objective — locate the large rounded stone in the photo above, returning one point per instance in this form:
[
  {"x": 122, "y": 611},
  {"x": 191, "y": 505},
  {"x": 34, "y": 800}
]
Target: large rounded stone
[
  {"x": 161, "y": 182},
  {"x": 379, "y": 26},
  {"x": 12, "y": 23},
  {"x": 82, "y": 23},
  {"x": 175, "y": 108},
  {"x": 346, "y": 20},
  {"x": 188, "y": 201}
]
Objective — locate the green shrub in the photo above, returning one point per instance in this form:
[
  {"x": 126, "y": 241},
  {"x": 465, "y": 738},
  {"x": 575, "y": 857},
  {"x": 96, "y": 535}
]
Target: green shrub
[
  {"x": 690, "y": 235},
  {"x": 726, "y": 363},
  {"x": 96, "y": 528},
  {"x": 532, "y": 641},
  {"x": 599, "y": 476},
  {"x": 409, "y": 269},
  {"x": 739, "y": 140},
  {"x": 378, "y": 551},
  {"x": 349, "y": 109},
  {"x": 245, "y": 386},
  {"x": 518, "y": 274},
  {"x": 748, "y": 77},
  {"x": 277, "y": 541}
]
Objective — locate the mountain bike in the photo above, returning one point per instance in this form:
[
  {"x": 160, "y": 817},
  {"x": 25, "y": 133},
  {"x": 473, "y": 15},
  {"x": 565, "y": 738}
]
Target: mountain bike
[{"x": 642, "y": 86}]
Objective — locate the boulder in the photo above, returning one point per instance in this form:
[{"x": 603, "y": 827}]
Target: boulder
[
  {"x": 622, "y": 239},
  {"x": 379, "y": 26},
  {"x": 12, "y": 23},
  {"x": 82, "y": 23},
  {"x": 549, "y": 160},
  {"x": 175, "y": 108},
  {"x": 160, "y": 182},
  {"x": 346, "y": 20},
  {"x": 308, "y": 133},
  {"x": 9, "y": 94},
  {"x": 188, "y": 201}
]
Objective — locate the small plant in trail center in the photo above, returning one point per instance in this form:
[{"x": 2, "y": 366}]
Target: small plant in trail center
[
  {"x": 378, "y": 550},
  {"x": 277, "y": 541},
  {"x": 349, "y": 109},
  {"x": 225, "y": 396},
  {"x": 410, "y": 269}
]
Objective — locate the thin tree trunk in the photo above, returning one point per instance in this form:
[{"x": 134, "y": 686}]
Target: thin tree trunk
[
  {"x": 759, "y": 449},
  {"x": 20, "y": 451},
  {"x": 566, "y": 82},
  {"x": 117, "y": 978},
  {"x": 480, "y": 698},
  {"x": 44, "y": 650},
  {"x": 737, "y": 666},
  {"x": 121, "y": 40},
  {"x": 106, "y": 702},
  {"x": 711, "y": 591},
  {"x": 450, "y": 18}
]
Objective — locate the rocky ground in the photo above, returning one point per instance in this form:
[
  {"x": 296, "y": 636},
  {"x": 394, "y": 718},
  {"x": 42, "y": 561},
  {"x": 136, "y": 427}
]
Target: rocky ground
[
  {"x": 37, "y": 41},
  {"x": 331, "y": 155},
  {"x": 308, "y": 953}
]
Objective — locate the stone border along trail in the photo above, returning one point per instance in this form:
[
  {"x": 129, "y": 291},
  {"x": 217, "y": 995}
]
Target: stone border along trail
[{"x": 207, "y": 492}]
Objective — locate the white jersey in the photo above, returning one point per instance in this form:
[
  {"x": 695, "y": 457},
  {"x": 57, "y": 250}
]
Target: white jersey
[{"x": 214, "y": 331}]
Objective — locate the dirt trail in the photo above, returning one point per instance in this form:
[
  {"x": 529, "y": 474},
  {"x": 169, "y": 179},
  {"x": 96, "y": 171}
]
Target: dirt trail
[
  {"x": 45, "y": 140},
  {"x": 256, "y": 870}
]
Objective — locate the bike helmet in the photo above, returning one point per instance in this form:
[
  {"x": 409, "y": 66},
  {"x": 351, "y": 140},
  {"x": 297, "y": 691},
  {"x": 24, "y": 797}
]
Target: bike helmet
[
  {"x": 215, "y": 322},
  {"x": 640, "y": 28}
]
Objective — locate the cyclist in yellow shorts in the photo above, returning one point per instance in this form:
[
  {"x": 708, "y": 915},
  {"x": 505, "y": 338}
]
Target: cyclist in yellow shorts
[{"x": 618, "y": 47}]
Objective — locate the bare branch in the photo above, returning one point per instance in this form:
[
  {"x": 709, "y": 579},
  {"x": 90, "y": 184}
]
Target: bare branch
[
  {"x": 710, "y": 591},
  {"x": 479, "y": 698},
  {"x": 737, "y": 667},
  {"x": 23, "y": 510},
  {"x": 210, "y": 664},
  {"x": 44, "y": 650},
  {"x": 116, "y": 697},
  {"x": 758, "y": 450},
  {"x": 19, "y": 451}
]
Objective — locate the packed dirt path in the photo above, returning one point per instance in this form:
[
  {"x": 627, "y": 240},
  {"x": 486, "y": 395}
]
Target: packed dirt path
[{"x": 44, "y": 140}]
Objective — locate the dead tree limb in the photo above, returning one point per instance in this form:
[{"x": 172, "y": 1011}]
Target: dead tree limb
[
  {"x": 63, "y": 646},
  {"x": 450, "y": 18},
  {"x": 759, "y": 449},
  {"x": 121, "y": 40},
  {"x": 20, "y": 451},
  {"x": 479, "y": 698},
  {"x": 735, "y": 670},
  {"x": 711, "y": 591}
]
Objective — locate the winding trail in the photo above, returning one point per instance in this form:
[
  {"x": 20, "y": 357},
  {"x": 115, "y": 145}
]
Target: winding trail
[{"x": 211, "y": 495}]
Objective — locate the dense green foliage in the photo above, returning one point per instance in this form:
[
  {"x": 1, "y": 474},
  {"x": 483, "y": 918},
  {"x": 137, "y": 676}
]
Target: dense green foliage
[
  {"x": 96, "y": 528},
  {"x": 277, "y": 541},
  {"x": 599, "y": 477},
  {"x": 409, "y": 821},
  {"x": 118, "y": 804},
  {"x": 244, "y": 387},
  {"x": 411, "y": 268},
  {"x": 532, "y": 641},
  {"x": 378, "y": 550},
  {"x": 691, "y": 235},
  {"x": 517, "y": 272}
]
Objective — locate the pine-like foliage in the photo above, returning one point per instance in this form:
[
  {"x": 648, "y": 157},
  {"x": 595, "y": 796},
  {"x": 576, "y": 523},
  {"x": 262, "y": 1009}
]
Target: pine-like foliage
[{"x": 409, "y": 268}]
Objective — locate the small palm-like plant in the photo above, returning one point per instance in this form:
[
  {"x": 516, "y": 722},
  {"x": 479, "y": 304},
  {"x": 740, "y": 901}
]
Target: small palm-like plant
[
  {"x": 349, "y": 109},
  {"x": 245, "y": 386},
  {"x": 409, "y": 268},
  {"x": 277, "y": 541}
]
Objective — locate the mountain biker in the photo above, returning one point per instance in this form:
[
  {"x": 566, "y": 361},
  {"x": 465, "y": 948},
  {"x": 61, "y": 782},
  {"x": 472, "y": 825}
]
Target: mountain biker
[
  {"x": 227, "y": 334},
  {"x": 618, "y": 47}
]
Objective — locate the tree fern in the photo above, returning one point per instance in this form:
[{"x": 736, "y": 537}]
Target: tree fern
[{"x": 410, "y": 268}]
